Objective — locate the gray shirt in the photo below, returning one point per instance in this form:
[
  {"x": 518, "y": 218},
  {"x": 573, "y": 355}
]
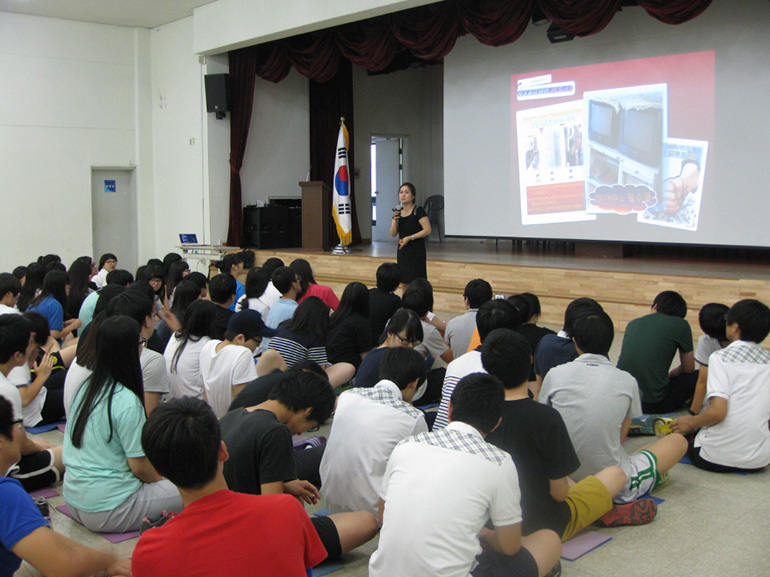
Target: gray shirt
[{"x": 459, "y": 332}]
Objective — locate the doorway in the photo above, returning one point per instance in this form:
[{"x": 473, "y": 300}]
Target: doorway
[
  {"x": 389, "y": 170},
  {"x": 113, "y": 215}
]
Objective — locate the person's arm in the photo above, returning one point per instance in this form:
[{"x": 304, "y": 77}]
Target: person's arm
[
  {"x": 143, "y": 470},
  {"x": 238, "y": 388},
  {"x": 686, "y": 362},
  {"x": 505, "y": 539},
  {"x": 69, "y": 326},
  {"x": 700, "y": 390},
  {"x": 381, "y": 512},
  {"x": 28, "y": 446},
  {"x": 624, "y": 428},
  {"x": 304, "y": 490},
  {"x": 42, "y": 372},
  {"x": 447, "y": 356},
  {"x": 559, "y": 488},
  {"x": 151, "y": 401},
  {"x": 714, "y": 414},
  {"x": 424, "y": 223},
  {"x": 394, "y": 223},
  {"x": 57, "y": 556}
]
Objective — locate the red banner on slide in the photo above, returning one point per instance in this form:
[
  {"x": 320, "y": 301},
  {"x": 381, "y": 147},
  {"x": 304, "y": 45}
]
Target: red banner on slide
[{"x": 557, "y": 197}]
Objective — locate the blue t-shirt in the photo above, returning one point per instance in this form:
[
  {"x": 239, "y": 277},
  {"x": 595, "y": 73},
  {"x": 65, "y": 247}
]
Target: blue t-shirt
[
  {"x": 52, "y": 310},
  {"x": 240, "y": 290},
  {"x": 19, "y": 516}
]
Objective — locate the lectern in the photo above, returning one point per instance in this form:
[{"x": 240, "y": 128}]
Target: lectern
[{"x": 316, "y": 212}]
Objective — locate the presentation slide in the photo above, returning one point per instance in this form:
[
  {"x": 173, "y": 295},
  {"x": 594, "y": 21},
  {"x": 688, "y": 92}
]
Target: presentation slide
[{"x": 641, "y": 133}]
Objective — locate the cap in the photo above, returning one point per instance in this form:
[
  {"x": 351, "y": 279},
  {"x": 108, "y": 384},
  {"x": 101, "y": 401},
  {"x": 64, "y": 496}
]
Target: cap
[{"x": 249, "y": 323}]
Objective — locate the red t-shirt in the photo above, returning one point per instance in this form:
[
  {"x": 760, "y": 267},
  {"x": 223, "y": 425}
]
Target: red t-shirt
[
  {"x": 230, "y": 533},
  {"x": 324, "y": 293}
]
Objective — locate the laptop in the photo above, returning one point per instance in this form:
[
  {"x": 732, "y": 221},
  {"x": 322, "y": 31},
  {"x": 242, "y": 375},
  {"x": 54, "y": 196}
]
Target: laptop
[{"x": 188, "y": 238}]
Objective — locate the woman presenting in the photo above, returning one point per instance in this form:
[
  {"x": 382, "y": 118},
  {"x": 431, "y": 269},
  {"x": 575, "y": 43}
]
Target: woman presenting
[{"x": 411, "y": 224}]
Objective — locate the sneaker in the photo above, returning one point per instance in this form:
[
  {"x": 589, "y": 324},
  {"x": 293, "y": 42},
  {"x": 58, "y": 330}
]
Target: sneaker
[
  {"x": 165, "y": 516},
  {"x": 42, "y": 505},
  {"x": 662, "y": 426},
  {"x": 642, "y": 426},
  {"x": 639, "y": 512}
]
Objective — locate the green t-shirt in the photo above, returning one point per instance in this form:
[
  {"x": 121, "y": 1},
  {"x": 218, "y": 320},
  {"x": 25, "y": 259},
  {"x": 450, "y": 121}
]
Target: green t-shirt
[
  {"x": 98, "y": 477},
  {"x": 649, "y": 346}
]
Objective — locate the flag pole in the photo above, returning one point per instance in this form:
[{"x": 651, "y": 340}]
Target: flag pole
[{"x": 342, "y": 207}]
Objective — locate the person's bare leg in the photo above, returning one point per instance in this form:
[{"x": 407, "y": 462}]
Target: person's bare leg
[
  {"x": 355, "y": 529},
  {"x": 269, "y": 361},
  {"x": 668, "y": 450},
  {"x": 613, "y": 478},
  {"x": 340, "y": 373},
  {"x": 545, "y": 547},
  {"x": 57, "y": 459}
]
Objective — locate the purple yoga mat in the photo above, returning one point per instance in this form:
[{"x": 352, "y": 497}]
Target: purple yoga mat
[
  {"x": 111, "y": 537},
  {"x": 61, "y": 427},
  {"x": 45, "y": 493},
  {"x": 582, "y": 543}
]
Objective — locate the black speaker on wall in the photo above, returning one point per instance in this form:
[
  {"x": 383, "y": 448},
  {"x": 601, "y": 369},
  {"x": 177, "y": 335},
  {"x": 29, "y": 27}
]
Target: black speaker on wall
[{"x": 217, "y": 93}]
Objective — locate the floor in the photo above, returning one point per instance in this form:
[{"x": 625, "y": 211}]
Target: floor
[{"x": 710, "y": 525}]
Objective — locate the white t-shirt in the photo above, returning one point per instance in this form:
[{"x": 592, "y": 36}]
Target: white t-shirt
[
  {"x": 154, "y": 372},
  {"x": 440, "y": 489},
  {"x": 32, "y": 413},
  {"x": 221, "y": 371},
  {"x": 461, "y": 367},
  {"x": 740, "y": 374},
  {"x": 270, "y": 296},
  {"x": 368, "y": 424},
  {"x": 11, "y": 394},
  {"x": 186, "y": 380},
  {"x": 6, "y": 310},
  {"x": 76, "y": 376},
  {"x": 254, "y": 305},
  {"x": 706, "y": 346}
]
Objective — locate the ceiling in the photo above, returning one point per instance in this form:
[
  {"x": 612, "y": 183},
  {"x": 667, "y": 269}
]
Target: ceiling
[{"x": 132, "y": 13}]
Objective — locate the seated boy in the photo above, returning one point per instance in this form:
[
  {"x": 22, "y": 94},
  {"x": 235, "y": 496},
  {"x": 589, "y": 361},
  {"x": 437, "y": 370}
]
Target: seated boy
[
  {"x": 222, "y": 289},
  {"x": 537, "y": 439},
  {"x": 712, "y": 320},
  {"x": 383, "y": 302},
  {"x": 649, "y": 345},
  {"x": 368, "y": 423},
  {"x": 10, "y": 287},
  {"x": 441, "y": 488},
  {"x": 597, "y": 402},
  {"x": 259, "y": 440},
  {"x": 459, "y": 330},
  {"x": 734, "y": 434},
  {"x": 182, "y": 440}
]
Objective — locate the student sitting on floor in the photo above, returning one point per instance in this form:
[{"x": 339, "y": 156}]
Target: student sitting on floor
[
  {"x": 222, "y": 292},
  {"x": 734, "y": 433},
  {"x": 41, "y": 463},
  {"x": 383, "y": 301},
  {"x": 10, "y": 287},
  {"x": 441, "y": 488},
  {"x": 712, "y": 319},
  {"x": 539, "y": 443},
  {"x": 183, "y": 351},
  {"x": 368, "y": 424},
  {"x": 597, "y": 403},
  {"x": 25, "y": 534},
  {"x": 459, "y": 330},
  {"x": 183, "y": 441},
  {"x": 259, "y": 440}
]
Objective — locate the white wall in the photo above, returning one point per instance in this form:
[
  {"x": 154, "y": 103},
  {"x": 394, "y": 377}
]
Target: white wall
[
  {"x": 68, "y": 101},
  {"x": 406, "y": 103}
]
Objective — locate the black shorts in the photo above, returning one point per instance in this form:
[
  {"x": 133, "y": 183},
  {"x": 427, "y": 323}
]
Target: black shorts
[
  {"x": 36, "y": 471},
  {"x": 492, "y": 564},
  {"x": 330, "y": 538}
]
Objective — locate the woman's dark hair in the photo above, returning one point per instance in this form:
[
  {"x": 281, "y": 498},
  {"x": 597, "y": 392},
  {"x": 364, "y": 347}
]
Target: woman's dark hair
[
  {"x": 168, "y": 260},
  {"x": 20, "y": 272},
  {"x": 80, "y": 280},
  {"x": 256, "y": 283},
  {"x": 411, "y": 189},
  {"x": 199, "y": 321},
  {"x": 154, "y": 262},
  {"x": 49, "y": 261},
  {"x": 175, "y": 275},
  {"x": 55, "y": 285},
  {"x": 186, "y": 293},
  {"x": 198, "y": 278},
  {"x": 405, "y": 319},
  {"x": 39, "y": 327},
  {"x": 304, "y": 271},
  {"x": 271, "y": 264},
  {"x": 355, "y": 300},
  {"x": 311, "y": 316},
  {"x": 105, "y": 257},
  {"x": 522, "y": 305},
  {"x": 712, "y": 319},
  {"x": 534, "y": 305},
  {"x": 229, "y": 261},
  {"x": 34, "y": 282},
  {"x": 116, "y": 362},
  {"x": 6, "y": 418},
  {"x": 106, "y": 294}
]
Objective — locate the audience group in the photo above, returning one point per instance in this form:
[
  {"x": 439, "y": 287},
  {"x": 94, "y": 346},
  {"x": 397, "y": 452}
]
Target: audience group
[{"x": 473, "y": 447}]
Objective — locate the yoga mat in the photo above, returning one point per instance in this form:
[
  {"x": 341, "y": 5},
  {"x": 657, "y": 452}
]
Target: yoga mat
[
  {"x": 326, "y": 568},
  {"x": 111, "y": 537},
  {"x": 45, "y": 493},
  {"x": 44, "y": 428},
  {"x": 582, "y": 543},
  {"x": 61, "y": 427},
  {"x": 657, "y": 500},
  {"x": 322, "y": 512}
]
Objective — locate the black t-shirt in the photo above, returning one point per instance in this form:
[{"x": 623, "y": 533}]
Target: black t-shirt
[
  {"x": 348, "y": 340},
  {"x": 368, "y": 373},
  {"x": 260, "y": 450},
  {"x": 533, "y": 334},
  {"x": 382, "y": 305},
  {"x": 538, "y": 441},
  {"x": 257, "y": 391},
  {"x": 223, "y": 317}
]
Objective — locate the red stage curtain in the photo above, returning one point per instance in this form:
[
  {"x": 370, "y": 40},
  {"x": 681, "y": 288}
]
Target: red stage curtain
[
  {"x": 243, "y": 75},
  {"x": 674, "y": 11}
]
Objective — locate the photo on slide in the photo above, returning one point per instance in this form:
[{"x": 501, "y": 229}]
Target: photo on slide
[{"x": 684, "y": 164}]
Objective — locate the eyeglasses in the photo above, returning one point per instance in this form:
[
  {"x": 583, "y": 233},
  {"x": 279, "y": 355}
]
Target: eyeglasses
[
  {"x": 156, "y": 281},
  {"x": 407, "y": 342},
  {"x": 19, "y": 422}
]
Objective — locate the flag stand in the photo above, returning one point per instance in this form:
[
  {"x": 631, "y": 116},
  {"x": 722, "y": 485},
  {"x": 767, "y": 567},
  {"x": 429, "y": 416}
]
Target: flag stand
[{"x": 341, "y": 249}]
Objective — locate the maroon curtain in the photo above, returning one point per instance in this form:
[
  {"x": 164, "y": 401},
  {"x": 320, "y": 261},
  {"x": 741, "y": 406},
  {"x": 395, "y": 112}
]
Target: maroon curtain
[
  {"x": 330, "y": 101},
  {"x": 243, "y": 76}
]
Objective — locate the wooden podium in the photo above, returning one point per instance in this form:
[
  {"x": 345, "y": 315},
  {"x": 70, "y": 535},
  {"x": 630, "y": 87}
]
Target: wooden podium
[{"x": 316, "y": 212}]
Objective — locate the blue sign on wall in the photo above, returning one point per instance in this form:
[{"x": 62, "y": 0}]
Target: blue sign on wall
[{"x": 109, "y": 186}]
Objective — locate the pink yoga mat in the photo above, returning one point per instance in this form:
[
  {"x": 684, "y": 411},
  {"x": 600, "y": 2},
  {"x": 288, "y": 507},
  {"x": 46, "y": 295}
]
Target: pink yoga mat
[
  {"x": 111, "y": 537},
  {"x": 45, "y": 493}
]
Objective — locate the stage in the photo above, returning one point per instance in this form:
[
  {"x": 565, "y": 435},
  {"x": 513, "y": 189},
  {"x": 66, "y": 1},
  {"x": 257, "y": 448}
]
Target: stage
[{"x": 625, "y": 287}]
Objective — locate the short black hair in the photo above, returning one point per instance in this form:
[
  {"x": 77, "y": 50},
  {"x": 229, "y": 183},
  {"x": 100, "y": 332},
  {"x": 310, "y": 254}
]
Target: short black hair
[
  {"x": 576, "y": 308},
  {"x": 478, "y": 291},
  {"x": 670, "y": 303},
  {"x": 402, "y": 365},
  {"x": 198, "y": 278},
  {"x": 416, "y": 300},
  {"x": 120, "y": 276},
  {"x": 712, "y": 319},
  {"x": 507, "y": 355},
  {"x": 6, "y": 418},
  {"x": 229, "y": 261},
  {"x": 222, "y": 287},
  {"x": 9, "y": 284},
  {"x": 271, "y": 264},
  {"x": 106, "y": 295},
  {"x": 283, "y": 277},
  {"x": 181, "y": 438},
  {"x": 20, "y": 272},
  {"x": 389, "y": 276},
  {"x": 14, "y": 336},
  {"x": 302, "y": 390},
  {"x": 593, "y": 332},
  {"x": 133, "y": 304},
  {"x": 105, "y": 257},
  {"x": 753, "y": 318},
  {"x": 522, "y": 305},
  {"x": 496, "y": 314},
  {"x": 478, "y": 401},
  {"x": 39, "y": 326},
  {"x": 404, "y": 319}
]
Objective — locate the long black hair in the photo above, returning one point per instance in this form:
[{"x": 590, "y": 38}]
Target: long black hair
[
  {"x": 175, "y": 275},
  {"x": 185, "y": 294},
  {"x": 199, "y": 321},
  {"x": 311, "y": 316},
  {"x": 256, "y": 283},
  {"x": 355, "y": 300},
  {"x": 33, "y": 282},
  {"x": 303, "y": 269},
  {"x": 80, "y": 280},
  {"x": 55, "y": 285},
  {"x": 116, "y": 363}
]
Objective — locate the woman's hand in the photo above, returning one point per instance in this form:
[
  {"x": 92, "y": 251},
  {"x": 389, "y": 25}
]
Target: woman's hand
[{"x": 402, "y": 242}]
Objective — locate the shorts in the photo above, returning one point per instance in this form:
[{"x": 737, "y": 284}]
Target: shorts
[
  {"x": 588, "y": 500},
  {"x": 327, "y": 532},
  {"x": 36, "y": 471},
  {"x": 493, "y": 564},
  {"x": 643, "y": 479}
]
